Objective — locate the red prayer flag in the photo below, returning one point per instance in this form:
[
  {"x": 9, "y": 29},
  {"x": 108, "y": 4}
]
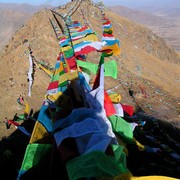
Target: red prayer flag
[
  {"x": 108, "y": 105},
  {"x": 53, "y": 85},
  {"x": 13, "y": 122},
  {"x": 128, "y": 109}
]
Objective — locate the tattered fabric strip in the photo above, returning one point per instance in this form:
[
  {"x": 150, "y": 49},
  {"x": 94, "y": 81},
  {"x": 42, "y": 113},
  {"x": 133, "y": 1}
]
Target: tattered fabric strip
[
  {"x": 94, "y": 164},
  {"x": 98, "y": 139},
  {"x": 121, "y": 127},
  {"x": 77, "y": 115},
  {"x": 30, "y": 72},
  {"x": 95, "y": 45}
]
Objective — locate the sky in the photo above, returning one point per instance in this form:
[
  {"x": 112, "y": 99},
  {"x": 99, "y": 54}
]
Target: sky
[{"x": 128, "y": 3}]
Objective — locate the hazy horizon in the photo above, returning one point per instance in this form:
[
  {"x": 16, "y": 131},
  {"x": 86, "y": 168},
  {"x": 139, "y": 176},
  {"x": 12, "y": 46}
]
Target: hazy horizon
[{"x": 127, "y": 3}]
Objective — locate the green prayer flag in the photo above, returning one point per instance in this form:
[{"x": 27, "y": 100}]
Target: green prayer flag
[
  {"x": 69, "y": 53},
  {"x": 55, "y": 78},
  {"x": 33, "y": 155},
  {"x": 87, "y": 65},
  {"x": 109, "y": 66},
  {"x": 121, "y": 127},
  {"x": 96, "y": 164}
]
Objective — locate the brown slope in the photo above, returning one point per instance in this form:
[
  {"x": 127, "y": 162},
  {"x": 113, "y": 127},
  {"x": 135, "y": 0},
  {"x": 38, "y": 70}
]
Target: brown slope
[
  {"x": 10, "y": 21},
  {"x": 145, "y": 59},
  {"x": 162, "y": 21},
  {"x": 13, "y": 16},
  {"x": 14, "y": 65},
  {"x": 138, "y": 16}
]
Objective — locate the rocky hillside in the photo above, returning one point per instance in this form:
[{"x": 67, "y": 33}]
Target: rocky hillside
[{"x": 146, "y": 63}]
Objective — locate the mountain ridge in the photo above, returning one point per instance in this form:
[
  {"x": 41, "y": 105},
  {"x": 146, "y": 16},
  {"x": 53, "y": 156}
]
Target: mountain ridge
[{"x": 145, "y": 60}]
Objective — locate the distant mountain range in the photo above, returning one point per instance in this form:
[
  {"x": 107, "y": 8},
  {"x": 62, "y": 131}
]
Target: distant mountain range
[
  {"x": 22, "y": 8},
  {"x": 163, "y": 21},
  {"x": 13, "y": 16},
  {"x": 143, "y": 3},
  {"x": 139, "y": 16},
  {"x": 162, "y": 11}
]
